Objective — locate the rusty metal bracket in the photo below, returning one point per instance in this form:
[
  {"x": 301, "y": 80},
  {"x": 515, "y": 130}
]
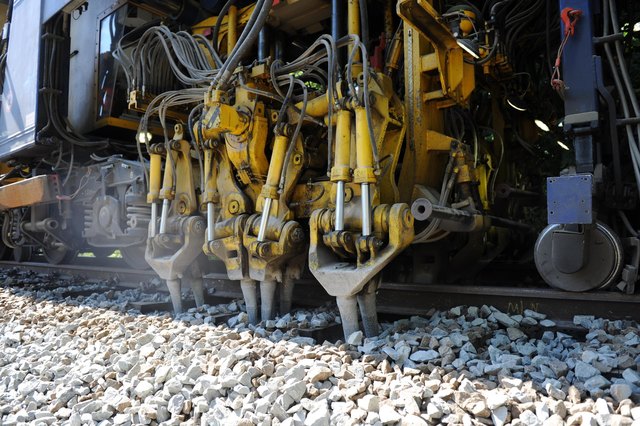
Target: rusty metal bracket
[{"x": 36, "y": 190}]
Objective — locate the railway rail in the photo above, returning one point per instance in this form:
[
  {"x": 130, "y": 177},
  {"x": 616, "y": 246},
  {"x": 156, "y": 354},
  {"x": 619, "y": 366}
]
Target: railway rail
[
  {"x": 393, "y": 298},
  {"x": 338, "y": 143}
]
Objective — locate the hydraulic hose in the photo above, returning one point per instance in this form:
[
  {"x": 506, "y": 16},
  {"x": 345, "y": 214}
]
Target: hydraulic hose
[
  {"x": 221, "y": 15},
  {"x": 245, "y": 42}
]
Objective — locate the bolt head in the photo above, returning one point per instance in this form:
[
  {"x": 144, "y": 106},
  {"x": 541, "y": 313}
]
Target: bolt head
[
  {"x": 104, "y": 216},
  {"x": 297, "y": 235}
]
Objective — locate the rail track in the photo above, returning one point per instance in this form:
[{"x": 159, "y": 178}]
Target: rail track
[{"x": 394, "y": 298}]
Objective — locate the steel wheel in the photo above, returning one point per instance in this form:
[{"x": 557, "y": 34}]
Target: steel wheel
[
  {"x": 22, "y": 254},
  {"x": 134, "y": 256},
  {"x": 58, "y": 255},
  {"x": 605, "y": 262},
  {"x": 5, "y": 252}
]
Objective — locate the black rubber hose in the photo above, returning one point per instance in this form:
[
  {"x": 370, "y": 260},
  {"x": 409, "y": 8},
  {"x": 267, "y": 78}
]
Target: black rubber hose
[
  {"x": 263, "y": 43},
  {"x": 364, "y": 26},
  {"x": 337, "y": 24},
  {"x": 216, "y": 27},
  {"x": 243, "y": 46},
  {"x": 248, "y": 26}
]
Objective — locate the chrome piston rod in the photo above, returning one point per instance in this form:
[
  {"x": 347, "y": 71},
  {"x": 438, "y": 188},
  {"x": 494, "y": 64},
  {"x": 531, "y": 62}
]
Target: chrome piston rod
[
  {"x": 210, "y": 221},
  {"x": 366, "y": 210},
  {"x": 163, "y": 216},
  {"x": 264, "y": 219},
  {"x": 154, "y": 219},
  {"x": 340, "y": 206}
]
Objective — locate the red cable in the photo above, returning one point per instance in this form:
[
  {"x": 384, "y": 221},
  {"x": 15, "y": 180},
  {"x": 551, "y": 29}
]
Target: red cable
[{"x": 569, "y": 19}]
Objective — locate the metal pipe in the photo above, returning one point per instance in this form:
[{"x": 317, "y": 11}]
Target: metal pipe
[
  {"x": 163, "y": 216},
  {"x": 366, "y": 210},
  {"x": 279, "y": 46},
  {"x": 232, "y": 28},
  {"x": 339, "y": 206},
  {"x": 423, "y": 209},
  {"x": 263, "y": 44},
  {"x": 353, "y": 24},
  {"x": 154, "y": 219},
  {"x": 45, "y": 225},
  {"x": 337, "y": 24},
  {"x": 264, "y": 219},
  {"x": 210, "y": 222},
  {"x": 511, "y": 224},
  {"x": 627, "y": 121},
  {"x": 504, "y": 190},
  {"x": 608, "y": 38}
]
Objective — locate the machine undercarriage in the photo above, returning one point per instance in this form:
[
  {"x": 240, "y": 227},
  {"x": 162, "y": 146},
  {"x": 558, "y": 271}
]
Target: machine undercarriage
[{"x": 351, "y": 140}]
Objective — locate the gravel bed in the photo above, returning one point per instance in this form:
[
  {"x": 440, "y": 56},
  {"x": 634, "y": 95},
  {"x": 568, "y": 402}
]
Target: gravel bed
[{"x": 93, "y": 360}]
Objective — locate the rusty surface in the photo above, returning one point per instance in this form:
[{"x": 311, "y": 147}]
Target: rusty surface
[{"x": 35, "y": 190}]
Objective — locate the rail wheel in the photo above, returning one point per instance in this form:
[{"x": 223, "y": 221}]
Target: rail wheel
[
  {"x": 57, "y": 255},
  {"x": 134, "y": 256},
  {"x": 22, "y": 253},
  {"x": 579, "y": 260},
  {"x": 5, "y": 251}
]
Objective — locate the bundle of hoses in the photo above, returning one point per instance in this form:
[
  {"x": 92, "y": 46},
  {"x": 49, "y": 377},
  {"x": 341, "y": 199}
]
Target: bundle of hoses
[
  {"x": 182, "y": 49},
  {"x": 245, "y": 42},
  {"x": 159, "y": 50},
  {"x": 160, "y": 53},
  {"x": 622, "y": 81},
  {"x": 160, "y": 105}
]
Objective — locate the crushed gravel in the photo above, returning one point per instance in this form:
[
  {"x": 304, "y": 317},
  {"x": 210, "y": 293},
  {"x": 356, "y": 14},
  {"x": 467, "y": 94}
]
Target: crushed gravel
[{"x": 94, "y": 360}]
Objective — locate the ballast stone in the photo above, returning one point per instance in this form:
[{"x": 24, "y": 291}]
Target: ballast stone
[{"x": 202, "y": 373}]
